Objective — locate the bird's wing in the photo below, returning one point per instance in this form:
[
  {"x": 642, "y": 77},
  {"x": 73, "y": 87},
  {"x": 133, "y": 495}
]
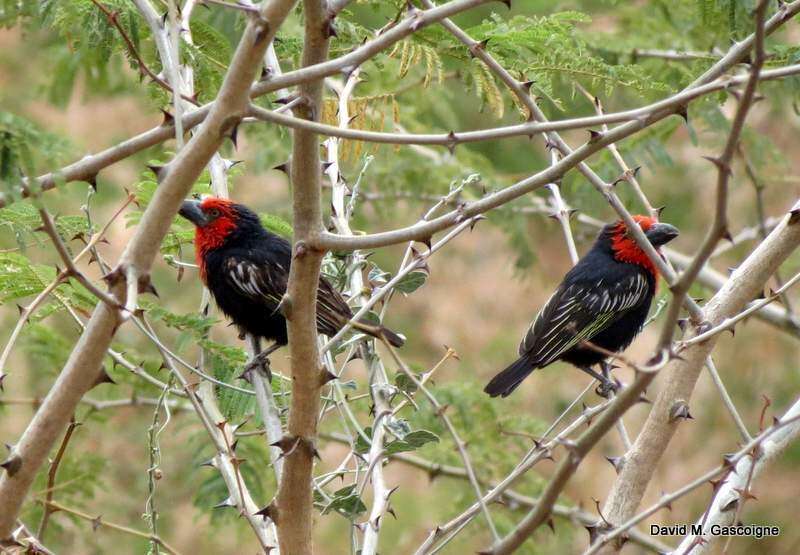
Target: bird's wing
[
  {"x": 577, "y": 312},
  {"x": 332, "y": 310},
  {"x": 263, "y": 283}
]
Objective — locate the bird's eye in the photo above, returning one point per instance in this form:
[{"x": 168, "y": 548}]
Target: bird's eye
[{"x": 214, "y": 213}]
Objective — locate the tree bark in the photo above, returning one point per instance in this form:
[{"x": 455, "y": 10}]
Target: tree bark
[{"x": 295, "y": 503}]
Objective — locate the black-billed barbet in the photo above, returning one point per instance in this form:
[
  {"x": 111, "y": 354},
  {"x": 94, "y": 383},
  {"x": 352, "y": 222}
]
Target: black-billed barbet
[
  {"x": 246, "y": 268},
  {"x": 604, "y": 299}
]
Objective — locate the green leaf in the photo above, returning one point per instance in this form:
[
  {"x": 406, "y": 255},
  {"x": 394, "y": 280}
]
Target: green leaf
[
  {"x": 361, "y": 446},
  {"x": 411, "y": 442},
  {"x": 411, "y": 282},
  {"x": 19, "y": 278},
  {"x": 404, "y": 383},
  {"x": 346, "y": 502}
]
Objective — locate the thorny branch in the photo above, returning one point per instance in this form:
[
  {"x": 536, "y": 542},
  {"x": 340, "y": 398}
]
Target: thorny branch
[
  {"x": 100, "y": 522},
  {"x": 294, "y": 501},
  {"x": 440, "y": 411},
  {"x": 83, "y": 366},
  {"x": 88, "y": 168},
  {"x": 784, "y": 430},
  {"x": 292, "y": 511},
  {"x": 51, "y": 478}
]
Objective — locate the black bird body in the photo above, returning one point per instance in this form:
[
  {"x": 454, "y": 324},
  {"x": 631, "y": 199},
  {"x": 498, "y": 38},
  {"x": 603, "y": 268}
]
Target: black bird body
[
  {"x": 604, "y": 299},
  {"x": 246, "y": 269},
  {"x": 593, "y": 274}
]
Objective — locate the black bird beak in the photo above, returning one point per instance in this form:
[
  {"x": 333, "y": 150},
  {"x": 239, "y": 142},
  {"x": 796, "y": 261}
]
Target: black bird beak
[
  {"x": 190, "y": 209},
  {"x": 661, "y": 234}
]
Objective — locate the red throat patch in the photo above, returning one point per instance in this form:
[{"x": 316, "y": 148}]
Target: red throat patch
[
  {"x": 627, "y": 250},
  {"x": 212, "y": 235}
]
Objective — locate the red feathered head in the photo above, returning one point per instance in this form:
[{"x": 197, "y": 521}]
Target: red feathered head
[
  {"x": 214, "y": 219},
  {"x": 626, "y": 249}
]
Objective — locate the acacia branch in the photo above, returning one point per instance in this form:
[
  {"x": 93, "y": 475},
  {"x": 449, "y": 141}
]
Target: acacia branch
[
  {"x": 736, "y": 488},
  {"x": 51, "y": 478},
  {"x": 681, "y": 374},
  {"x": 294, "y": 503},
  {"x": 71, "y": 269},
  {"x": 785, "y": 430},
  {"x": 509, "y": 496},
  {"x": 439, "y": 410},
  {"x": 719, "y": 224},
  {"x": 98, "y": 522},
  {"x": 84, "y": 364},
  {"x": 729, "y": 323},
  {"x": 541, "y": 450},
  {"x": 572, "y": 158},
  {"x": 576, "y": 451},
  {"x": 225, "y": 461},
  {"x": 113, "y": 19},
  {"x": 87, "y": 168},
  {"x": 530, "y": 128}
]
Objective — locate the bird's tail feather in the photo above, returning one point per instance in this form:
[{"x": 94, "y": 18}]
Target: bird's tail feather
[
  {"x": 507, "y": 381},
  {"x": 394, "y": 339}
]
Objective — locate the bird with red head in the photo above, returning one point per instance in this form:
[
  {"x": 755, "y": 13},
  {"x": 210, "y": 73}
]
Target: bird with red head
[
  {"x": 246, "y": 268},
  {"x": 604, "y": 299}
]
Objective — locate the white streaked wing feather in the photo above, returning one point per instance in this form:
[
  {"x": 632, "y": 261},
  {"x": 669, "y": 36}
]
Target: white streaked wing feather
[
  {"x": 549, "y": 335},
  {"x": 255, "y": 281}
]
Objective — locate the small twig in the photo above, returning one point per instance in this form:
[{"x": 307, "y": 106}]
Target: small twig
[
  {"x": 154, "y": 452},
  {"x": 418, "y": 262},
  {"x": 730, "y": 322},
  {"x": 439, "y": 410},
  {"x": 628, "y": 174},
  {"x": 98, "y": 522},
  {"x": 71, "y": 269},
  {"x": 540, "y": 451},
  {"x": 51, "y": 477},
  {"x": 674, "y": 55},
  {"x": 512, "y": 497},
  {"x": 576, "y": 452},
  {"x": 727, "y": 401},
  {"x": 665, "y": 500},
  {"x": 249, "y": 9},
  {"x": 719, "y": 225},
  {"x": 113, "y": 18}
]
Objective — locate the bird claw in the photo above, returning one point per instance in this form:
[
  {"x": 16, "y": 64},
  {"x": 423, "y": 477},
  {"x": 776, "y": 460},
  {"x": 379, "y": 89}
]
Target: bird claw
[
  {"x": 606, "y": 388},
  {"x": 260, "y": 364}
]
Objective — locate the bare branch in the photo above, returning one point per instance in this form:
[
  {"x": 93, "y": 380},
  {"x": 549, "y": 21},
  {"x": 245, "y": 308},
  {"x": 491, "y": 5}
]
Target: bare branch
[
  {"x": 88, "y": 167},
  {"x": 51, "y": 478},
  {"x": 460, "y": 445},
  {"x": 576, "y": 451},
  {"x": 295, "y": 503},
  {"x": 541, "y": 451},
  {"x": 719, "y": 224},
  {"x": 681, "y": 374},
  {"x": 99, "y": 521},
  {"x": 733, "y": 491},
  {"x": 784, "y": 431}
]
